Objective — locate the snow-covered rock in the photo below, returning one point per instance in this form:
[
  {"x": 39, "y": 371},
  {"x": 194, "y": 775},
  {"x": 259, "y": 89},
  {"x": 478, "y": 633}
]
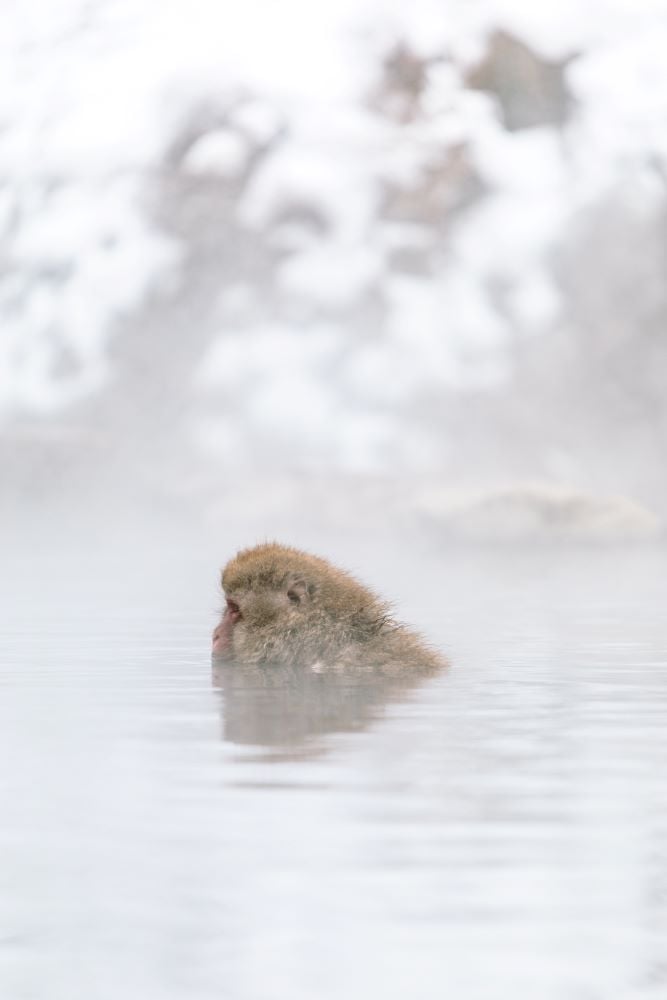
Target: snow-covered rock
[{"x": 535, "y": 513}]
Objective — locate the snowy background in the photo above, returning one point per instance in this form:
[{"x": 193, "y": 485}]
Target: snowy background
[
  {"x": 340, "y": 273},
  {"x": 362, "y": 242}
]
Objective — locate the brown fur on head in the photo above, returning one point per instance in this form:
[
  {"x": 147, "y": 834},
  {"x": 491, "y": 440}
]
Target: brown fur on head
[
  {"x": 286, "y": 606},
  {"x": 311, "y": 579}
]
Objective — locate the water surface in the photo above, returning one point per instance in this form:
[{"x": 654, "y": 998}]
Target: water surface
[{"x": 499, "y": 831}]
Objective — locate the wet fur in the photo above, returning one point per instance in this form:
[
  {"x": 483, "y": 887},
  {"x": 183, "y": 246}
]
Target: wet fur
[{"x": 339, "y": 624}]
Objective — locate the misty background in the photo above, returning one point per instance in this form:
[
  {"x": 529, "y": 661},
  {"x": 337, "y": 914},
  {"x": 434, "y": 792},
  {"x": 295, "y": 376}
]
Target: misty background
[
  {"x": 331, "y": 254},
  {"x": 363, "y": 277}
]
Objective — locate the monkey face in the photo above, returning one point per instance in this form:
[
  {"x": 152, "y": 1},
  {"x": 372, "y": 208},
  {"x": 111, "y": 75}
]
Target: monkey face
[{"x": 258, "y": 621}]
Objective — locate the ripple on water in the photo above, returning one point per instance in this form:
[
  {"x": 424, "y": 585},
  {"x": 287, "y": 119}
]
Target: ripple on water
[{"x": 499, "y": 831}]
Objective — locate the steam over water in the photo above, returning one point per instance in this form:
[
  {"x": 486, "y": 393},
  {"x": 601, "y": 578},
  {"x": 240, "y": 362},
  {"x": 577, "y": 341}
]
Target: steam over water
[
  {"x": 389, "y": 287},
  {"x": 499, "y": 831}
]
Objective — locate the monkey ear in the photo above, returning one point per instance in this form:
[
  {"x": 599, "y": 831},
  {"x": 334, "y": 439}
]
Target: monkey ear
[{"x": 299, "y": 591}]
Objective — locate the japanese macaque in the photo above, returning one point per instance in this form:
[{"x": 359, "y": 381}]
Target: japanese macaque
[{"x": 291, "y": 609}]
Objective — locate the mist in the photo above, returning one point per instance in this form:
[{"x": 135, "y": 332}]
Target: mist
[
  {"x": 384, "y": 252},
  {"x": 387, "y": 285}
]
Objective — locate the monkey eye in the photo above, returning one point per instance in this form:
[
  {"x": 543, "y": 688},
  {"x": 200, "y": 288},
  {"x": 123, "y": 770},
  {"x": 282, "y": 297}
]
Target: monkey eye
[
  {"x": 233, "y": 609},
  {"x": 294, "y": 596}
]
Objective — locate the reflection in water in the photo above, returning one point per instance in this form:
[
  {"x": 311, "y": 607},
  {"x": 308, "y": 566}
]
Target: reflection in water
[{"x": 276, "y": 705}]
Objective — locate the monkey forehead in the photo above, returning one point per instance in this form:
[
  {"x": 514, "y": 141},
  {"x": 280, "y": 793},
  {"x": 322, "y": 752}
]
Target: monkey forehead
[
  {"x": 269, "y": 566},
  {"x": 274, "y": 566},
  {"x": 248, "y": 580}
]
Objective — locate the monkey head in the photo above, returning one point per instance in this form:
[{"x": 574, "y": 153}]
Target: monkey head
[{"x": 286, "y": 606}]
